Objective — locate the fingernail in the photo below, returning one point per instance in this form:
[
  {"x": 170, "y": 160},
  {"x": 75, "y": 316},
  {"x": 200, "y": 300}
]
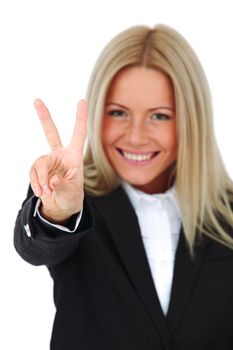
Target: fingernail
[
  {"x": 46, "y": 189},
  {"x": 38, "y": 192}
]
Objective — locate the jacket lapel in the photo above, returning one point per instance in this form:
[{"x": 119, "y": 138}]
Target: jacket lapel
[
  {"x": 185, "y": 273},
  {"x": 123, "y": 226}
]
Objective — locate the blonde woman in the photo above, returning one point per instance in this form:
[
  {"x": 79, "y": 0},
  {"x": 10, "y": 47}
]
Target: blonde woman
[{"x": 138, "y": 235}]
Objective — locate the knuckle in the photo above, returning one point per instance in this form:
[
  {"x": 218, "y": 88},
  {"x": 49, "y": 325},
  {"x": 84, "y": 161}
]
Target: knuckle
[
  {"x": 32, "y": 170},
  {"x": 42, "y": 176},
  {"x": 41, "y": 162},
  {"x": 33, "y": 186}
]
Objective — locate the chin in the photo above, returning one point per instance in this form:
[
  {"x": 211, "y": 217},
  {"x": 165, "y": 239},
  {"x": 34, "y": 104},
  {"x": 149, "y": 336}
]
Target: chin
[
  {"x": 151, "y": 185},
  {"x": 140, "y": 184}
]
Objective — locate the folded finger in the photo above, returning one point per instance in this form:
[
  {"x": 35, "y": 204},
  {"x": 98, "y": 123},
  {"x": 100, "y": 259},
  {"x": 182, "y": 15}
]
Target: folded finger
[
  {"x": 35, "y": 183},
  {"x": 41, "y": 169}
]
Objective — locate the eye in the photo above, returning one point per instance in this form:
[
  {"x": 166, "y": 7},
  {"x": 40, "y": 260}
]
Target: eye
[
  {"x": 160, "y": 116},
  {"x": 116, "y": 113}
]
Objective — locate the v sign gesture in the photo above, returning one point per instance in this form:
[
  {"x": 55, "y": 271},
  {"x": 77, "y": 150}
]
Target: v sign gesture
[{"x": 57, "y": 178}]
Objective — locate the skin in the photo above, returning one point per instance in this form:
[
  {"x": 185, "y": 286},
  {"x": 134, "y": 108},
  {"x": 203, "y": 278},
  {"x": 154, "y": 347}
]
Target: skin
[
  {"x": 140, "y": 119},
  {"x": 57, "y": 178}
]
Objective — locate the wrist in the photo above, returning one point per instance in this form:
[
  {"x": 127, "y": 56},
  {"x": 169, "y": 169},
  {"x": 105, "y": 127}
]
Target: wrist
[{"x": 56, "y": 216}]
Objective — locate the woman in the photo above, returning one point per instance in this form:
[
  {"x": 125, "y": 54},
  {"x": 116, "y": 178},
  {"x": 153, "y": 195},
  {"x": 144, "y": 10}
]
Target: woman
[{"x": 142, "y": 257}]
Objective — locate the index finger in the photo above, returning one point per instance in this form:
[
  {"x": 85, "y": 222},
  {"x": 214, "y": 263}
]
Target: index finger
[
  {"x": 80, "y": 128},
  {"x": 48, "y": 125}
]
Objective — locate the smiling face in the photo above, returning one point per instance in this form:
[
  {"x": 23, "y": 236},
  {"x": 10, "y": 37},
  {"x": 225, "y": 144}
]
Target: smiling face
[{"x": 139, "y": 128}]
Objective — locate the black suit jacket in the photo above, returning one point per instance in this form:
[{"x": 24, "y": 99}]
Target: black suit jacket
[{"x": 104, "y": 292}]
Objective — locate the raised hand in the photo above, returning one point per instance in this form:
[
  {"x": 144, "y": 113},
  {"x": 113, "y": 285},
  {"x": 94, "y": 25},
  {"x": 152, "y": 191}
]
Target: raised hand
[{"x": 57, "y": 178}]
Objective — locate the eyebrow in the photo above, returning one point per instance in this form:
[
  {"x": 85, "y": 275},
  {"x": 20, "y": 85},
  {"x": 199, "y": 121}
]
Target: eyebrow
[{"x": 149, "y": 110}]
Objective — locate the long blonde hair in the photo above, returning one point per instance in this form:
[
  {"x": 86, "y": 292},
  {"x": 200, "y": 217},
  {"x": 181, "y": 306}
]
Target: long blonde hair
[{"x": 203, "y": 186}]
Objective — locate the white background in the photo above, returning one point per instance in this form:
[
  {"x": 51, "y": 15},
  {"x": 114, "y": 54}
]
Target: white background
[{"x": 47, "y": 50}]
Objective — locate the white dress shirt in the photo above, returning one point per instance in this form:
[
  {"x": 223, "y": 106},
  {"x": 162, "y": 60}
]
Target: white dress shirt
[{"x": 160, "y": 222}]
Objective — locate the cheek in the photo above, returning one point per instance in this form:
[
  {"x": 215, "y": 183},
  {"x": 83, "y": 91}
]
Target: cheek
[
  {"x": 172, "y": 140},
  {"x": 107, "y": 136},
  {"x": 110, "y": 133},
  {"x": 167, "y": 138},
  {"x": 172, "y": 144}
]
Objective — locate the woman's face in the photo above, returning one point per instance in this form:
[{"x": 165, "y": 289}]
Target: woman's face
[{"x": 139, "y": 128}]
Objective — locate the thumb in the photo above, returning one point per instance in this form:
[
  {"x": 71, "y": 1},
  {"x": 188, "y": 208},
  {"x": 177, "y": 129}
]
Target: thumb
[{"x": 55, "y": 182}]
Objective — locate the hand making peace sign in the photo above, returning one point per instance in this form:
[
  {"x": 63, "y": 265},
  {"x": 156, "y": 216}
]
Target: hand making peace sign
[{"x": 57, "y": 178}]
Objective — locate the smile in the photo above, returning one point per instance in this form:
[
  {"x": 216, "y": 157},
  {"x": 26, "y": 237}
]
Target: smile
[{"x": 138, "y": 158}]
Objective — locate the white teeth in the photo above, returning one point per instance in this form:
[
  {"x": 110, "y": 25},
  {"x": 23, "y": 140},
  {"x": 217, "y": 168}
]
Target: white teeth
[{"x": 137, "y": 157}]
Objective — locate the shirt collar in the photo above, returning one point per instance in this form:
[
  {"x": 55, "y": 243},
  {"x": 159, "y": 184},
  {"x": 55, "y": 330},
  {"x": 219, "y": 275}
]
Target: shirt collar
[{"x": 137, "y": 196}]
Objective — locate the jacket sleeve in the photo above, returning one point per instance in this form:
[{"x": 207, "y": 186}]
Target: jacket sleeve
[{"x": 40, "y": 244}]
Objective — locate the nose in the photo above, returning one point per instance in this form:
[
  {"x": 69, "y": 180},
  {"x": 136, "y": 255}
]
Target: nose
[{"x": 136, "y": 134}]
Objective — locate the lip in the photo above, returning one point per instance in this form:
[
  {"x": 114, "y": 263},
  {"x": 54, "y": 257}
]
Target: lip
[{"x": 135, "y": 162}]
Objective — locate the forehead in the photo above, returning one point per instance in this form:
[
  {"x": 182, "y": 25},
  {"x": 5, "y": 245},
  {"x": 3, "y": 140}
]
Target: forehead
[{"x": 140, "y": 85}]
